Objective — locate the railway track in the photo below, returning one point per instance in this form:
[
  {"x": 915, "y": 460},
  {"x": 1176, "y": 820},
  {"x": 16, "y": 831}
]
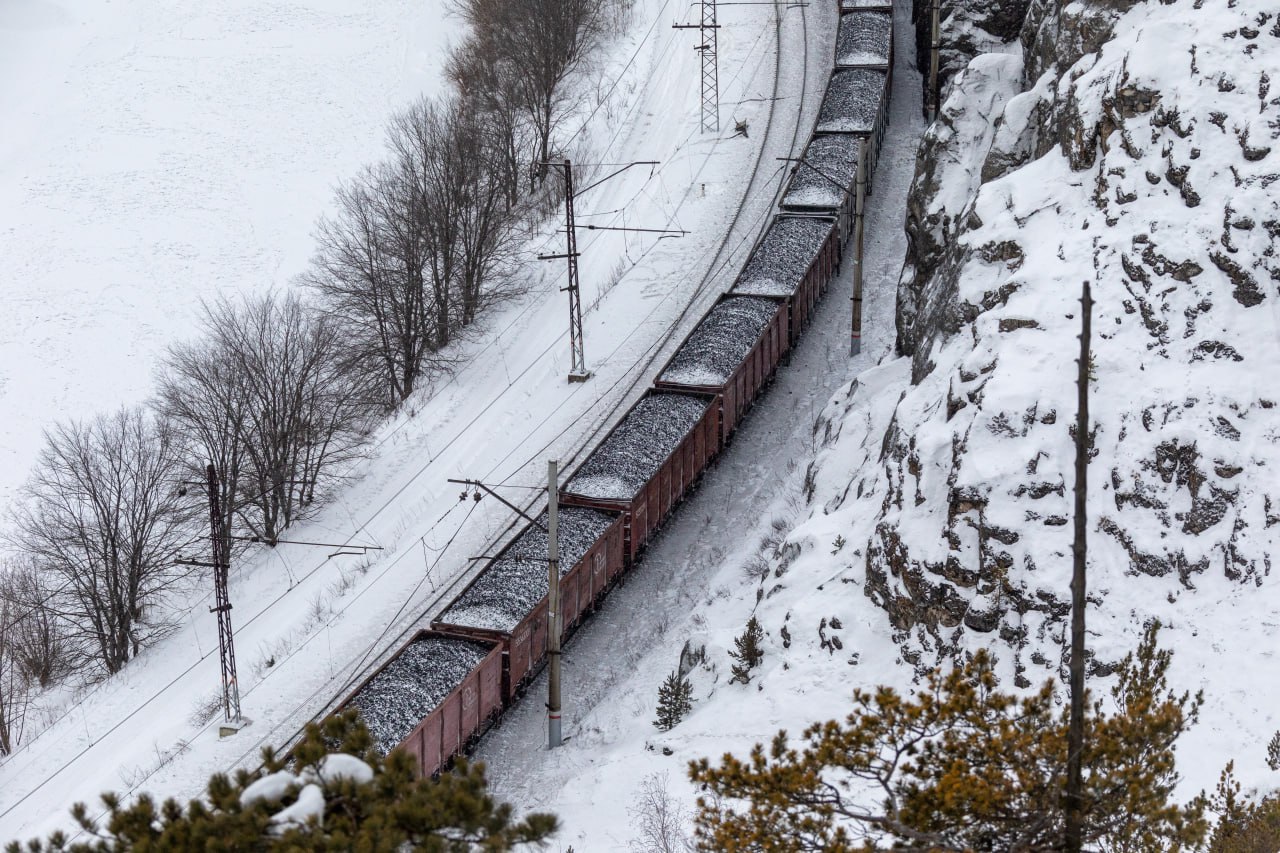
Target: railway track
[{"x": 612, "y": 403}]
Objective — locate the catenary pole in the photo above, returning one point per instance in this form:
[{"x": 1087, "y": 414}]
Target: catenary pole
[
  {"x": 935, "y": 44},
  {"x": 553, "y": 609},
  {"x": 222, "y": 601},
  {"x": 859, "y": 203}
]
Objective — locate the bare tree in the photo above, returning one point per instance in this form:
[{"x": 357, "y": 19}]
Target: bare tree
[
  {"x": 102, "y": 522},
  {"x": 544, "y": 42},
  {"x": 305, "y": 414},
  {"x": 659, "y": 819},
  {"x": 203, "y": 394},
  {"x": 369, "y": 271},
  {"x": 14, "y": 687},
  {"x": 37, "y": 634},
  {"x": 489, "y": 92}
]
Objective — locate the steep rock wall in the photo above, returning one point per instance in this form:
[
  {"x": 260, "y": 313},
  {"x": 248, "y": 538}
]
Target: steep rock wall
[{"x": 1135, "y": 145}]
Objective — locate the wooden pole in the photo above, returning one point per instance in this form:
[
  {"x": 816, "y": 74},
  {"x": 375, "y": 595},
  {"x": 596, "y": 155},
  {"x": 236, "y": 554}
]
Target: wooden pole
[
  {"x": 553, "y": 610},
  {"x": 1074, "y": 795}
]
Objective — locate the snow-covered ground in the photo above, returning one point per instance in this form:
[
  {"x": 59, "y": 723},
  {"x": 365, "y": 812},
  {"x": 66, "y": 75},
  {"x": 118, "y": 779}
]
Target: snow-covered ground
[
  {"x": 307, "y": 625},
  {"x": 158, "y": 152}
]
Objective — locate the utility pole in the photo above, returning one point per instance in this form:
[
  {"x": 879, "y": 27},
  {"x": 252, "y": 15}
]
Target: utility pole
[
  {"x": 578, "y": 372},
  {"x": 1074, "y": 795},
  {"x": 710, "y": 65},
  {"x": 935, "y": 29},
  {"x": 226, "y": 640},
  {"x": 553, "y": 609},
  {"x": 859, "y": 207}
]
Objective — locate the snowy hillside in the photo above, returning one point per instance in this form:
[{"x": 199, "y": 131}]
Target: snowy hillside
[
  {"x": 156, "y": 153},
  {"x": 1133, "y": 146},
  {"x": 309, "y": 624}
]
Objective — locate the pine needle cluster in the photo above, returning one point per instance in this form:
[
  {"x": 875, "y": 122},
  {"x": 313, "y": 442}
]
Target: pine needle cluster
[
  {"x": 393, "y": 811},
  {"x": 961, "y": 766}
]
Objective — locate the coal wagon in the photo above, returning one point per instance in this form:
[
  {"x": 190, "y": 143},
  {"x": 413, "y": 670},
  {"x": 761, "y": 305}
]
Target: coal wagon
[
  {"x": 507, "y": 602},
  {"x": 648, "y": 462},
  {"x": 732, "y": 353},
  {"x": 795, "y": 261},
  {"x": 436, "y": 695}
]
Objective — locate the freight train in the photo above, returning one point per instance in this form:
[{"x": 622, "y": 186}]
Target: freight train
[{"x": 446, "y": 686}]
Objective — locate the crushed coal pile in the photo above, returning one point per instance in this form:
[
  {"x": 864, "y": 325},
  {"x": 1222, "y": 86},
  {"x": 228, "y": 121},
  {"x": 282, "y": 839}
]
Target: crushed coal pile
[
  {"x": 864, "y": 38},
  {"x": 851, "y": 5},
  {"x": 788, "y": 250},
  {"x": 516, "y": 580},
  {"x": 852, "y": 101},
  {"x": 715, "y": 349},
  {"x": 828, "y": 161},
  {"x": 413, "y": 685},
  {"x": 636, "y": 449}
]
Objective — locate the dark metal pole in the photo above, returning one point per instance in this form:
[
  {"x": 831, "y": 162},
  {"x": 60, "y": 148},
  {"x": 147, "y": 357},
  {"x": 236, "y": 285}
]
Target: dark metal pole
[
  {"x": 578, "y": 373},
  {"x": 859, "y": 202},
  {"x": 222, "y": 600},
  {"x": 553, "y": 609},
  {"x": 1074, "y": 796}
]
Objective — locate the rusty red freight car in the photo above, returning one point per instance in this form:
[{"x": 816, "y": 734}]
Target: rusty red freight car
[
  {"x": 732, "y": 353},
  {"x": 823, "y": 182},
  {"x": 507, "y": 601},
  {"x": 795, "y": 261},
  {"x": 435, "y": 696},
  {"x": 646, "y": 464}
]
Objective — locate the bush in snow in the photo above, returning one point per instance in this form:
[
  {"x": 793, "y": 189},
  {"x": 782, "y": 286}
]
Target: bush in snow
[
  {"x": 349, "y": 800},
  {"x": 960, "y": 765},
  {"x": 746, "y": 651},
  {"x": 675, "y": 701}
]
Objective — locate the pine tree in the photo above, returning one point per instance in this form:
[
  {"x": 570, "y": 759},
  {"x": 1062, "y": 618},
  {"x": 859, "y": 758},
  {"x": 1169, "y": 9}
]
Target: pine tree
[
  {"x": 373, "y": 804},
  {"x": 747, "y": 651},
  {"x": 675, "y": 701},
  {"x": 959, "y": 765}
]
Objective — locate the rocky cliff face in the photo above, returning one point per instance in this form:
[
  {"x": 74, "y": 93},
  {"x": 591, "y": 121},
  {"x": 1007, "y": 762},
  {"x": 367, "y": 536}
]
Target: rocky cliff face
[{"x": 1135, "y": 146}]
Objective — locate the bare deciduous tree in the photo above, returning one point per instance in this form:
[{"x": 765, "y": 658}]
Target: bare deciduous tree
[
  {"x": 14, "y": 687},
  {"x": 203, "y": 394},
  {"x": 544, "y": 42},
  {"x": 369, "y": 271},
  {"x": 37, "y": 638},
  {"x": 102, "y": 522},
  {"x": 487, "y": 87},
  {"x": 305, "y": 414},
  {"x": 461, "y": 203},
  {"x": 659, "y": 819}
]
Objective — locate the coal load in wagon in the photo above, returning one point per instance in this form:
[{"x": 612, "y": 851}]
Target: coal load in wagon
[
  {"x": 788, "y": 250},
  {"x": 863, "y": 38},
  {"x": 720, "y": 344},
  {"x": 852, "y": 101},
  {"x": 506, "y": 591},
  {"x": 830, "y": 162},
  {"x": 852, "y": 5},
  {"x": 636, "y": 449},
  {"x": 413, "y": 685}
]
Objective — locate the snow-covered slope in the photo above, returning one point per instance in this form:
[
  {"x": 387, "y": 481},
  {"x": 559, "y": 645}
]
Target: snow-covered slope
[
  {"x": 157, "y": 152},
  {"x": 1134, "y": 146}
]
